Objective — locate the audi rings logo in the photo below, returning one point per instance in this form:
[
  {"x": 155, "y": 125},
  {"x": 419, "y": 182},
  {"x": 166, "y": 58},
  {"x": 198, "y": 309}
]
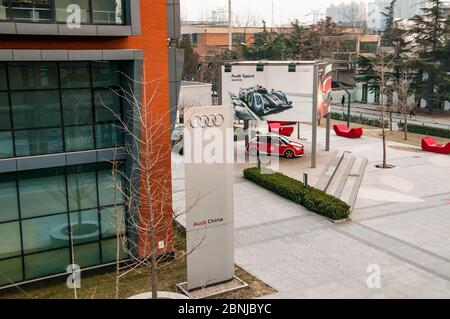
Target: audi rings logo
[{"x": 207, "y": 120}]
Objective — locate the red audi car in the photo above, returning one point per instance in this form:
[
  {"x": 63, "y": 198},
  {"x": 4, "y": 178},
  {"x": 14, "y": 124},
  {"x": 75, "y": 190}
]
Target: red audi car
[{"x": 275, "y": 145}]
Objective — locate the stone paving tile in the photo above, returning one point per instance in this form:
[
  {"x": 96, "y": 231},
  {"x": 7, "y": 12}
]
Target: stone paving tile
[
  {"x": 307, "y": 257},
  {"x": 303, "y": 255},
  {"x": 399, "y": 249},
  {"x": 428, "y": 229}
]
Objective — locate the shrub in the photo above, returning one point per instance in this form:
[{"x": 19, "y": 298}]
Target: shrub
[
  {"x": 358, "y": 119},
  {"x": 311, "y": 198},
  {"x": 426, "y": 130}
]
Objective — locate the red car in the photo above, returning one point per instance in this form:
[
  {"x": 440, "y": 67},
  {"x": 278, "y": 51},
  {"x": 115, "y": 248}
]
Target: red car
[{"x": 275, "y": 145}]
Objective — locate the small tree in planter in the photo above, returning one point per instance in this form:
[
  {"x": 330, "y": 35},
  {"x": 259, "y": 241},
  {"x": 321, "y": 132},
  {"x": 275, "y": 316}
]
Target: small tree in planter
[
  {"x": 382, "y": 66},
  {"x": 403, "y": 88}
]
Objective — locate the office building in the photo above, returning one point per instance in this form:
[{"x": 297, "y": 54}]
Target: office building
[{"x": 64, "y": 69}]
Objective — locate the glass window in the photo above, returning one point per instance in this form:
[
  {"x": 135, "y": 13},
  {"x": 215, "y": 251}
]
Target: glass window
[
  {"x": 5, "y": 120},
  {"x": 82, "y": 185},
  {"x": 105, "y": 73},
  {"x": 107, "y": 12},
  {"x": 368, "y": 47},
  {"x": 109, "y": 248},
  {"x": 79, "y": 138},
  {"x": 3, "y": 83},
  {"x": 10, "y": 270},
  {"x": 33, "y": 75},
  {"x": 107, "y": 106},
  {"x": 108, "y": 189},
  {"x": 238, "y": 38},
  {"x": 61, "y": 7},
  {"x": 42, "y": 192},
  {"x": 108, "y": 135},
  {"x": 87, "y": 255},
  {"x": 36, "y": 142},
  {"x": 6, "y": 145},
  {"x": 195, "y": 38},
  {"x": 48, "y": 263},
  {"x": 85, "y": 227},
  {"x": 35, "y": 109},
  {"x": 75, "y": 74},
  {"x": 32, "y": 10},
  {"x": 46, "y": 233},
  {"x": 110, "y": 225},
  {"x": 77, "y": 107},
  {"x": 8, "y": 198},
  {"x": 10, "y": 240}
]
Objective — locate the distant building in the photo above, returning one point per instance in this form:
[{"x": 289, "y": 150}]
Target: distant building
[
  {"x": 346, "y": 48},
  {"x": 407, "y": 9},
  {"x": 353, "y": 14},
  {"x": 375, "y": 18},
  {"x": 211, "y": 40},
  {"x": 404, "y": 9}
]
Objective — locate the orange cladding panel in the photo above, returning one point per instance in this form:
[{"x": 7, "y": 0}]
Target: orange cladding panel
[{"x": 153, "y": 41}]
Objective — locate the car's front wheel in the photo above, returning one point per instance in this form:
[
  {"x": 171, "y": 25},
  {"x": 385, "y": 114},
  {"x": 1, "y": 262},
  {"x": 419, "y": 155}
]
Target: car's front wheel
[{"x": 289, "y": 154}]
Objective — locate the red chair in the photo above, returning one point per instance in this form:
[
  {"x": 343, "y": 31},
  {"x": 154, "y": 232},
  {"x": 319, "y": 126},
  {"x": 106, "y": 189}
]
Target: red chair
[
  {"x": 344, "y": 131},
  {"x": 276, "y": 127},
  {"x": 430, "y": 145},
  {"x": 280, "y": 122}
]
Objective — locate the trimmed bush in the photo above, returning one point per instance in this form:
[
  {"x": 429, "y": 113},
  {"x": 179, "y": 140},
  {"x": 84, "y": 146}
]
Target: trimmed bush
[
  {"x": 358, "y": 119},
  {"x": 311, "y": 198},
  {"x": 425, "y": 130}
]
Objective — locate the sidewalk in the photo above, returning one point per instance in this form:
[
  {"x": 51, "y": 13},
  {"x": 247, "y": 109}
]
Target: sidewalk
[
  {"x": 373, "y": 111},
  {"x": 400, "y": 223}
]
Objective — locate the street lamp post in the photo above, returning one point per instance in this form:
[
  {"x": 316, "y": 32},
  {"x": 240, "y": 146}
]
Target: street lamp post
[
  {"x": 230, "y": 31},
  {"x": 348, "y": 106}
]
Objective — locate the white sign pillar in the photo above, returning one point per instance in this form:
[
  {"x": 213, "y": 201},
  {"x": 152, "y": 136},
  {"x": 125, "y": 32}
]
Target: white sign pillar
[{"x": 209, "y": 178}]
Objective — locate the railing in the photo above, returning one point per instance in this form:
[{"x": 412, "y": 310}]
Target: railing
[
  {"x": 51, "y": 14},
  {"x": 35, "y": 14}
]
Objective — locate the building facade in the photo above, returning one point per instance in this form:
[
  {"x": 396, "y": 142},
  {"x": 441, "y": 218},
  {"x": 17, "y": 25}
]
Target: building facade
[
  {"x": 62, "y": 110},
  {"x": 375, "y": 18},
  {"x": 353, "y": 14},
  {"x": 212, "y": 40}
]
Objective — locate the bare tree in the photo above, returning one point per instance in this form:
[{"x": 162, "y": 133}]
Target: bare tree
[
  {"x": 403, "y": 88},
  {"x": 245, "y": 21},
  {"x": 145, "y": 187},
  {"x": 382, "y": 65}
]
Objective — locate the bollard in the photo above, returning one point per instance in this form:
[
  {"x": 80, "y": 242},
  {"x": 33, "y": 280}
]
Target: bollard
[{"x": 305, "y": 180}]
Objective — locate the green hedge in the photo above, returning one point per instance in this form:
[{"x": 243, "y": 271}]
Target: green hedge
[
  {"x": 311, "y": 198},
  {"x": 358, "y": 119},
  {"x": 426, "y": 130}
]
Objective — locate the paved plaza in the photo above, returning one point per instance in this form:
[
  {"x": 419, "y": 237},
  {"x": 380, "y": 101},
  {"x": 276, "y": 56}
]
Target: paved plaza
[{"x": 401, "y": 224}]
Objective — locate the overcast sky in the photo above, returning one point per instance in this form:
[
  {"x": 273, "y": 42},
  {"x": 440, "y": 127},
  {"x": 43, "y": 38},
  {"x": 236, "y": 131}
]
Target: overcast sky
[{"x": 284, "y": 10}]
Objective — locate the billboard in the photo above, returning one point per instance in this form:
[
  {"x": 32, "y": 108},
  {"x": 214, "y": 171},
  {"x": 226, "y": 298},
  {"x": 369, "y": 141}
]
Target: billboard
[
  {"x": 273, "y": 91},
  {"x": 209, "y": 179},
  {"x": 324, "y": 90}
]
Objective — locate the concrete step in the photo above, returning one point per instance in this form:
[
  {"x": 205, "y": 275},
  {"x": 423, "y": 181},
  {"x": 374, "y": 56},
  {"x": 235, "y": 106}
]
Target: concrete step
[
  {"x": 340, "y": 175},
  {"x": 327, "y": 174},
  {"x": 354, "y": 179},
  {"x": 343, "y": 177}
]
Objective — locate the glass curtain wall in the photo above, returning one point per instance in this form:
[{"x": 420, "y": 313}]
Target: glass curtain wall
[
  {"x": 37, "y": 208},
  {"x": 55, "y": 107}
]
